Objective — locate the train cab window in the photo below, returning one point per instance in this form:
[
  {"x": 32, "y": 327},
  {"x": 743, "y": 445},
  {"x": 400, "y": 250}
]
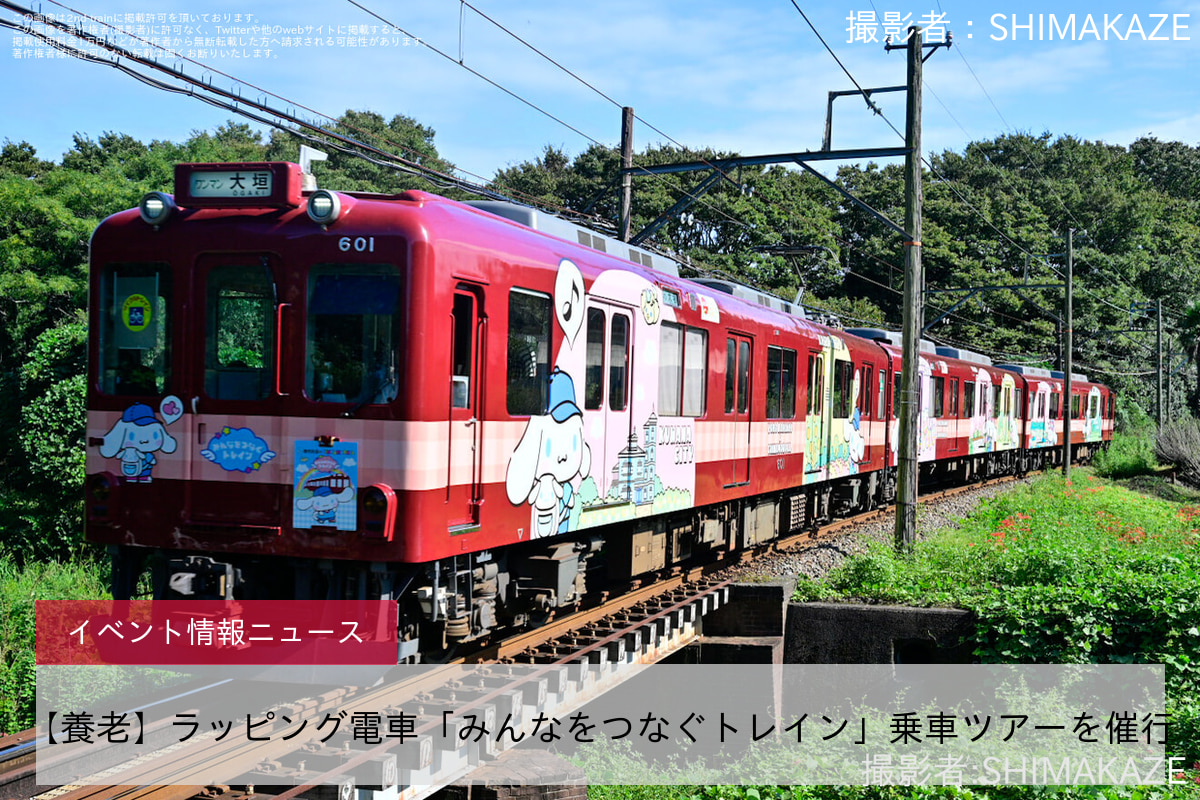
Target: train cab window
[
  {"x": 135, "y": 334},
  {"x": 816, "y": 383},
  {"x": 618, "y": 363},
  {"x": 969, "y": 398},
  {"x": 593, "y": 371},
  {"x": 463, "y": 353},
  {"x": 353, "y": 333},
  {"x": 939, "y": 397},
  {"x": 529, "y": 316},
  {"x": 843, "y": 389},
  {"x": 781, "y": 383},
  {"x": 239, "y": 350}
]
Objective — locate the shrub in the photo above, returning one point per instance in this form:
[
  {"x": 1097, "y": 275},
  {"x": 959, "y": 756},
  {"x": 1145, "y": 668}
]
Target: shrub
[
  {"x": 1127, "y": 456},
  {"x": 1178, "y": 443}
]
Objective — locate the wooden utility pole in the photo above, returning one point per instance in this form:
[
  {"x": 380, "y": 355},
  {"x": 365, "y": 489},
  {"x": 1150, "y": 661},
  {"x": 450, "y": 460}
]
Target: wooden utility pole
[
  {"x": 1068, "y": 360},
  {"x": 626, "y": 176},
  {"x": 914, "y": 309}
]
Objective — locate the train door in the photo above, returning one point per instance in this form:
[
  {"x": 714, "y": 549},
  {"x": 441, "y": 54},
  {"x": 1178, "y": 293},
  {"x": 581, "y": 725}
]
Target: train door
[
  {"x": 464, "y": 484},
  {"x": 606, "y": 392},
  {"x": 862, "y": 425},
  {"x": 816, "y": 433},
  {"x": 738, "y": 375},
  {"x": 234, "y": 453}
]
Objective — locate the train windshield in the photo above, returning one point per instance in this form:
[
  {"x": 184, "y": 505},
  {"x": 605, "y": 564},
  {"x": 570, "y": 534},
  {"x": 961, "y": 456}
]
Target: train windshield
[
  {"x": 135, "y": 341},
  {"x": 353, "y": 333},
  {"x": 239, "y": 354}
]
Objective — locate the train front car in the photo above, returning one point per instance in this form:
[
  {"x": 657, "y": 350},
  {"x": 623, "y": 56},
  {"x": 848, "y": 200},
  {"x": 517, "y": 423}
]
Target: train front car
[{"x": 250, "y": 397}]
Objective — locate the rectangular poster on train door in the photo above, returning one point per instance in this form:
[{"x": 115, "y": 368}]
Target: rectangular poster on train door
[{"x": 326, "y": 485}]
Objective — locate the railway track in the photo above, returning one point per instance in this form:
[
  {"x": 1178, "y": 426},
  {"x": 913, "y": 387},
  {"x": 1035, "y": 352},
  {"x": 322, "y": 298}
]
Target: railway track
[{"x": 637, "y": 627}]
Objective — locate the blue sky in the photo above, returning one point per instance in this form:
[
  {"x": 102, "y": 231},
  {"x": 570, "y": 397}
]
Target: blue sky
[{"x": 748, "y": 77}]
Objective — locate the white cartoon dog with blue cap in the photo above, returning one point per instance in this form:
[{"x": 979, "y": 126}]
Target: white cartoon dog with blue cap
[
  {"x": 551, "y": 453},
  {"x": 134, "y": 440}
]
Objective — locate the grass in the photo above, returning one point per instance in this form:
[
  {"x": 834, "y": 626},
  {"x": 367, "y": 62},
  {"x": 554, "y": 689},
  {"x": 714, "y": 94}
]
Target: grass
[
  {"x": 1058, "y": 573},
  {"x": 20, "y": 587}
]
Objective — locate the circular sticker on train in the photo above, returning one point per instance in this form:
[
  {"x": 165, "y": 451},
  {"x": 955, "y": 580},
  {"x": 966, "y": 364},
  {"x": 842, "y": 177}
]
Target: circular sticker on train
[{"x": 135, "y": 312}]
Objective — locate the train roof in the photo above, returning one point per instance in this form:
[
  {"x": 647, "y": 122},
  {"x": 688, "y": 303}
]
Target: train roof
[
  {"x": 894, "y": 338},
  {"x": 572, "y": 232}
]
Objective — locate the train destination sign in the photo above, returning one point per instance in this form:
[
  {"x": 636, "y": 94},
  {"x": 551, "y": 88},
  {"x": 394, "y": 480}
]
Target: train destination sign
[
  {"x": 249, "y": 185},
  {"x": 231, "y": 183}
]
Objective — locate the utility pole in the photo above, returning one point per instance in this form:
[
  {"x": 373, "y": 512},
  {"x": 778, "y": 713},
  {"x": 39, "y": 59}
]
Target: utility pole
[
  {"x": 626, "y": 175},
  {"x": 1158, "y": 406},
  {"x": 914, "y": 310},
  {"x": 1068, "y": 360}
]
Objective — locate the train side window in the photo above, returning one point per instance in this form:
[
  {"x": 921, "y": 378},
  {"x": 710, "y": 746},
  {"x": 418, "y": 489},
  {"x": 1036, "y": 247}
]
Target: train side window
[
  {"x": 1055, "y": 405},
  {"x": 239, "y": 351},
  {"x": 695, "y": 372},
  {"x": 135, "y": 333},
  {"x": 816, "y": 383},
  {"x": 1094, "y": 406},
  {"x": 969, "y": 398},
  {"x": 881, "y": 405},
  {"x": 939, "y": 397},
  {"x": 954, "y": 398},
  {"x": 529, "y": 316},
  {"x": 593, "y": 381},
  {"x": 781, "y": 383},
  {"x": 995, "y": 401},
  {"x": 864, "y": 393},
  {"x": 743, "y": 377},
  {"x": 618, "y": 363},
  {"x": 895, "y": 395},
  {"x": 730, "y": 373},
  {"x": 670, "y": 370},
  {"x": 463, "y": 355},
  {"x": 353, "y": 333},
  {"x": 1075, "y": 407},
  {"x": 843, "y": 389}
]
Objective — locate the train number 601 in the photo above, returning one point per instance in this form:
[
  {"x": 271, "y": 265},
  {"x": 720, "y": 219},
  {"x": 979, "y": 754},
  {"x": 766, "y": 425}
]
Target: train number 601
[{"x": 359, "y": 244}]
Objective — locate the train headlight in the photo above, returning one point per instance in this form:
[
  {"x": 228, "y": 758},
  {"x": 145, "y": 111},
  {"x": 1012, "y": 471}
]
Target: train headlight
[
  {"x": 156, "y": 207},
  {"x": 324, "y": 207}
]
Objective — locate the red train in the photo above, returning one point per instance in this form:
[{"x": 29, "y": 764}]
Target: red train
[{"x": 480, "y": 410}]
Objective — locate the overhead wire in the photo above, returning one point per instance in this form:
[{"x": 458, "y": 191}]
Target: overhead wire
[
  {"x": 943, "y": 180},
  {"x": 457, "y": 181}
]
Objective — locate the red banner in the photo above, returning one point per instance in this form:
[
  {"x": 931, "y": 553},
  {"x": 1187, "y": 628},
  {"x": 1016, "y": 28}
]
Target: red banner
[{"x": 162, "y": 632}]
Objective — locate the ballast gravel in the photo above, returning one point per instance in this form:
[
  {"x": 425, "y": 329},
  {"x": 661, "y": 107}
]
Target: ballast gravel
[{"x": 816, "y": 561}]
